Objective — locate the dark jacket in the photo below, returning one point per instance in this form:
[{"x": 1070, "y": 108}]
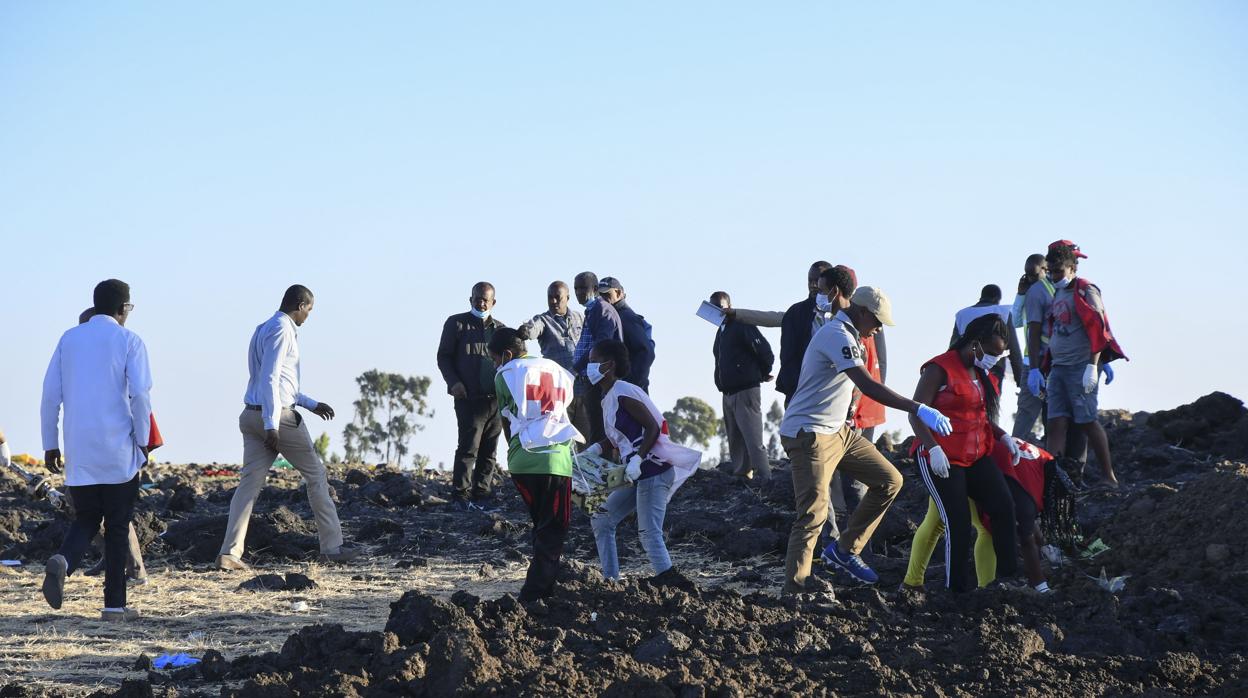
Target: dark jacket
[
  {"x": 462, "y": 354},
  {"x": 602, "y": 323},
  {"x": 743, "y": 358},
  {"x": 794, "y": 338},
  {"x": 640, "y": 343}
]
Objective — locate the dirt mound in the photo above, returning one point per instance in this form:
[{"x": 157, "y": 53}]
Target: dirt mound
[
  {"x": 1178, "y": 532},
  {"x": 1176, "y": 443},
  {"x": 279, "y": 534},
  {"x": 1193, "y": 584},
  {"x": 667, "y": 636},
  {"x": 1216, "y": 423}
]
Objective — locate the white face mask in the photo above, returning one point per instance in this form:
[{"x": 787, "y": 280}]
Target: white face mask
[
  {"x": 593, "y": 372},
  {"x": 1062, "y": 284},
  {"x": 822, "y": 302},
  {"x": 987, "y": 361},
  {"x": 482, "y": 314}
]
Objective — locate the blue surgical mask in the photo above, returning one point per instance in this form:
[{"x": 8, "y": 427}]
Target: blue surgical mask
[
  {"x": 593, "y": 372},
  {"x": 1062, "y": 284},
  {"x": 482, "y": 314},
  {"x": 822, "y": 302}
]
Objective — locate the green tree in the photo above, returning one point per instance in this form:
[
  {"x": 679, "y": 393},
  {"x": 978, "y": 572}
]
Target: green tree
[
  {"x": 692, "y": 422},
  {"x": 322, "y": 446},
  {"x": 388, "y": 413}
]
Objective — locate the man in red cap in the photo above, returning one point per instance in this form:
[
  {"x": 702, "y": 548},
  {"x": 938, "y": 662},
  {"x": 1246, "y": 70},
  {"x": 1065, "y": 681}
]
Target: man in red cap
[{"x": 1081, "y": 346}]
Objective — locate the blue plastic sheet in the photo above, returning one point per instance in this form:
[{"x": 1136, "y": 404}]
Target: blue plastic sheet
[{"x": 175, "y": 661}]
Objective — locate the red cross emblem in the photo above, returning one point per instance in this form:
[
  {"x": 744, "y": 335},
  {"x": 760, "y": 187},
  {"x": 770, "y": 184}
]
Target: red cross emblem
[{"x": 545, "y": 393}]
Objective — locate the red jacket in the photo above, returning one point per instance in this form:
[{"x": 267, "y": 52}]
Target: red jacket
[
  {"x": 1095, "y": 323},
  {"x": 973, "y": 434},
  {"x": 1030, "y": 469},
  {"x": 1029, "y": 473},
  {"x": 869, "y": 413}
]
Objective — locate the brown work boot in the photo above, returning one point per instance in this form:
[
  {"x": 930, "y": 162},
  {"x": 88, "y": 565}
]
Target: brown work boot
[
  {"x": 125, "y": 614},
  {"x": 230, "y": 563}
]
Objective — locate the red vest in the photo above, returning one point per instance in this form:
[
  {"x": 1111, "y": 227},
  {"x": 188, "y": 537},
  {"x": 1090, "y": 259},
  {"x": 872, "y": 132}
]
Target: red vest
[
  {"x": 963, "y": 403},
  {"x": 1030, "y": 469},
  {"x": 1095, "y": 323},
  {"x": 869, "y": 413}
]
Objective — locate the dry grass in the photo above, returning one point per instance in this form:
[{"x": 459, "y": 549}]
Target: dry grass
[{"x": 193, "y": 611}]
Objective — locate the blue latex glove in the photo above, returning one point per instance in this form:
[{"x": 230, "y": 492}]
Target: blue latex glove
[
  {"x": 934, "y": 420},
  {"x": 1035, "y": 381},
  {"x": 1109, "y": 373}
]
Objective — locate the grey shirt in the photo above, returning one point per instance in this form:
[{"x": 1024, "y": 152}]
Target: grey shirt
[
  {"x": 824, "y": 393},
  {"x": 557, "y": 335},
  {"x": 1036, "y": 305},
  {"x": 1069, "y": 343}
]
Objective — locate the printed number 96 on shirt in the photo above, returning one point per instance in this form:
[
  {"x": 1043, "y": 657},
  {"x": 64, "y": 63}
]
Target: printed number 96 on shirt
[{"x": 851, "y": 352}]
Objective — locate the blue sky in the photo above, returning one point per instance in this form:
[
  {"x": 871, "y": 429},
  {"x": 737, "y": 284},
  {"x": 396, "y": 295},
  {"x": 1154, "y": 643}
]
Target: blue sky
[{"x": 390, "y": 155}]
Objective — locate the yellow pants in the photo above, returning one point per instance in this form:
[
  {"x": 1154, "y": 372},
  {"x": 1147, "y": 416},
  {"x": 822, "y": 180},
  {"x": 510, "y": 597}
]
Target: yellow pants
[{"x": 929, "y": 533}]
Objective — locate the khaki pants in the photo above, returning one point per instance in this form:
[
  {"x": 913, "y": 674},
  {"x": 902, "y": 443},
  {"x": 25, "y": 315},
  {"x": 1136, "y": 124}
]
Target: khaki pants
[
  {"x": 743, "y": 425},
  {"x": 815, "y": 458},
  {"x": 295, "y": 444}
]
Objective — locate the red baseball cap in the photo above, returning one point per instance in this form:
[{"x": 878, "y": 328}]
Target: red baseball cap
[
  {"x": 1074, "y": 248},
  {"x": 853, "y": 277}
]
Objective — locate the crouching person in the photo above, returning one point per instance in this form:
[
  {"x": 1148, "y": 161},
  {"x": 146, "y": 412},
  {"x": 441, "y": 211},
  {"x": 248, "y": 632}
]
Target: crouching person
[
  {"x": 655, "y": 464},
  {"x": 533, "y": 396}
]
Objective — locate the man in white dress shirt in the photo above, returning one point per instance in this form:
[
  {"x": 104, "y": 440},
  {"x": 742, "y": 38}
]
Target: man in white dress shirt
[
  {"x": 271, "y": 426},
  {"x": 100, "y": 373}
]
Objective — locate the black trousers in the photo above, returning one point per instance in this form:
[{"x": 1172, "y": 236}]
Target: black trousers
[
  {"x": 592, "y": 400},
  {"x": 578, "y": 414},
  {"x": 1025, "y": 511},
  {"x": 549, "y": 498},
  {"x": 475, "y": 457},
  {"x": 984, "y": 483},
  {"x": 113, "y": 505}
]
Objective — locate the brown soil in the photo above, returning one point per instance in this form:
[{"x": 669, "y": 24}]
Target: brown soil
[{"x": 1179, "y": 530}]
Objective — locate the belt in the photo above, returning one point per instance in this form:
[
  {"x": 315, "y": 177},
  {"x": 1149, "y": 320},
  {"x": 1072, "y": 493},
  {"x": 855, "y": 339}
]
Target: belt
[{"x": 258, "y": 408}]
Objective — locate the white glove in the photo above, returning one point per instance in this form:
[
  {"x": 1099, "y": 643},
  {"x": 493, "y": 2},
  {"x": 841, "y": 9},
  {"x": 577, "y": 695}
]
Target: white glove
[
  {"x": 934, "y": 420},
  {"x": 633, "y": 470},
  {"x": 1090, "y": 378},
  {"x": 595, "y": 449},
  {"x": 938, "y": 462},
  {"x": 1012, "y": 444}
]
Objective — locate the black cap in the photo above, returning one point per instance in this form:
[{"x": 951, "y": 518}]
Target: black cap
[{"x": 608, "y": 283}]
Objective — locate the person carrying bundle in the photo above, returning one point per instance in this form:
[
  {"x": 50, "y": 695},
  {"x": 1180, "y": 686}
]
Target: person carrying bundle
[{"x": 533, "y": 398}]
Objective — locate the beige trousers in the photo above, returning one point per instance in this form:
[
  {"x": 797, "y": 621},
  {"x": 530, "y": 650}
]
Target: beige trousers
[
  {"x": 743, "y": 426},
  {"x": 295, "y": 444},
  {"x": 814, "y": 459}
]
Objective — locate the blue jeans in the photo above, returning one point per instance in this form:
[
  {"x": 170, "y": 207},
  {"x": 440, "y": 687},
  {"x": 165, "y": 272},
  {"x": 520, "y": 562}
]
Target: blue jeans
[{"x": 649, "y": 499}]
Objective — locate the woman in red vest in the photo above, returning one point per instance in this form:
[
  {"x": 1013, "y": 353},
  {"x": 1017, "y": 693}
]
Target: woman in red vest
[{"x": 960, "y": 465}]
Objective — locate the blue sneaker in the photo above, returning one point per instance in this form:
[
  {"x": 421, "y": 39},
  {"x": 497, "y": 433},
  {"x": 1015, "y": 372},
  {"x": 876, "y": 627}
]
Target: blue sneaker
[{"x": 850, "y": 563}]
